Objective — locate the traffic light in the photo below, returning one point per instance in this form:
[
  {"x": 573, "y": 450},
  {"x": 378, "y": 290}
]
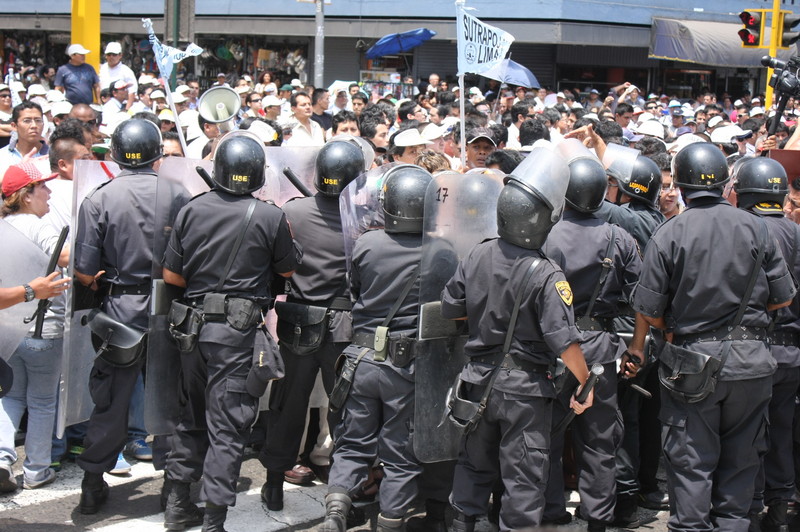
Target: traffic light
[
  {"x": 752, "y": 33},
  {"x": 787, "y": 24}
]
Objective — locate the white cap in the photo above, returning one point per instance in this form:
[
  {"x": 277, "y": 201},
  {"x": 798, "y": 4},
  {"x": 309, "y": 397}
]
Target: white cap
[
  {"x": 450, "y": 121},
  {"x": 36, "y": 90},
  {"x": 17, "y": 86},
  {"x": 726, "y": 134},
  {"x": 146, "y": 79},
  {"x": 62, "y": 107},
  {"x": 157, "y": 94},
  {"x": 263, "y": 131},
  {"x": 271, "y": 101},
  {"x": 55, "y": 96},
  {"x": 652, "y": 128},
  {"x": 433, "y": 132},
  {"x": 115, "y": 120},
  {"x": 674, "y": 103},
  {"x": 644, "y": 117},
  {"x": 410, "y": 137},
  {"x": 182, "y": 89},
  {"x": 188, "y": 119},
  {"x": 737, "y": 103},
  {"x": 113, "y": 48},
  {"x": 166, "y": 114},
  {"x": 73, "y": 49},
  {"x": 714, "y": 122},
  {"x": 243, "y": 89},
  {"x": 296, "y": 84},
  {"x": 560, "y": 95},
  {"x": 45, "y": 107},
  {"x": 178, "y": 97},
  {"x": 683, "y": 141},
  {"x": 755, "y": 111}
]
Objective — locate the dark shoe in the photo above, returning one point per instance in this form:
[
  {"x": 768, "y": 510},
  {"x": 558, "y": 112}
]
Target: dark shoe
[
  {"x": 463, "y": 523},
  {"x": 356, "y": 517},
  {"x": 337, "y": 506},
  {"x": 596, "y": 526},
  {"x": 214, "y": 519},
  {"x": 321, "y": 471},
  {"x": 563, "y": 519},
  {"x": 776, "y": 518},
  {"x": 272, "y": 497},
  {"x": 8, "y": 484},
  {"x": 655, "y": 500},
  {"x": 181, "y": 512},
  {"x": 299, "y": 475},
  {"x": 626, "y": 512},
  {"x": 755, "y": 522},
  {"x": 94, "y": 492},
  {"x": 433, "y": 520},
  {"x": 165, "y": 487}
]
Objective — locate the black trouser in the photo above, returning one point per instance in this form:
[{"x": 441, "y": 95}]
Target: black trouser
[
  {"x": 216, "y": 415},
  {"x": 111, "y": 388},
  {"x": 289, "y": 403}
]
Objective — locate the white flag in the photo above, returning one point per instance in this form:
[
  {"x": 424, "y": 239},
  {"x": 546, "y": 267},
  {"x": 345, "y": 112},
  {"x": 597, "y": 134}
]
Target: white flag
[
  {"x": 167, "y": 56},
  {"x": 480, "y": 45}
]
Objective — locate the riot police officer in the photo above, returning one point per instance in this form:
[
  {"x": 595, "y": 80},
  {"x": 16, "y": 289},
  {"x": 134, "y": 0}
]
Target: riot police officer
[
  {"x": 314, "y": 324},
  {"x": 716, "y": 329},
  {"x": 224, "y": 249},
  {"x": 601, "y": 263},
  {"x": 113, "y": 248},
  {"x": 379, "y": 410},
  {"x": 513, "y": 386},
  {"x": 761, "y": 185}
]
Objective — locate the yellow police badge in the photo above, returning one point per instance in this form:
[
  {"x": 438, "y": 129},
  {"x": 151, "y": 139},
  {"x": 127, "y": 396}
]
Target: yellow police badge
[{"x": 564, "y": 291}]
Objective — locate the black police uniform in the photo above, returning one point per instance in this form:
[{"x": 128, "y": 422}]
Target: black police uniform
[
  {"x": 636, "y": 217},
  {"x": 378, "y": 416},
  {"x": 319, "y": 281},
  {"x": 515, "y": 427},
  {"x": 712, "y": 446},
  {"x": 776, "y": 483},
  {"x": 115, "y": 234},
  {"x": 218, "y": 412},
  {"x": 578, "y": 243}
]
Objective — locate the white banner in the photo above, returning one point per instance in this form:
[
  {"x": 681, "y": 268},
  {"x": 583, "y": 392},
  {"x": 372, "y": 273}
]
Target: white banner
[
  {"x": 480, "y": 45},
  {"x": 167, "y": 56}
]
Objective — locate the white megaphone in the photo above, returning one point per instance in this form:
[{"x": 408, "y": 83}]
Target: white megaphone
[{"x": 219, "y": 105}]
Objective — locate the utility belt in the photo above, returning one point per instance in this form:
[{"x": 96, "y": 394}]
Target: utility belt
[
  {"x": 186, "y": 317},
  {"x": 787, "y": 338},
  {"x": 595, "y": 323},
  {"x": 129, "y": 289},
  {"x": 512, "y": 362},
  {"x": 302, "y": 327},
  {"x": 740, "y": 332},
  {"x": 400, "y": 350}
]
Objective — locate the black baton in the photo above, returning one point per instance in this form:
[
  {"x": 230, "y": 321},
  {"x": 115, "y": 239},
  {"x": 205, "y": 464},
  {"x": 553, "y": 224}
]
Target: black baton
[
  {"x": 41, "y": 309},
  {"x": 294, "y": 180},
  {"x": 594, "y": 375}
]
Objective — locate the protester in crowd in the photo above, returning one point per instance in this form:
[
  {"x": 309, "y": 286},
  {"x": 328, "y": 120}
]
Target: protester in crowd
[{"x": 77, "y": 79}]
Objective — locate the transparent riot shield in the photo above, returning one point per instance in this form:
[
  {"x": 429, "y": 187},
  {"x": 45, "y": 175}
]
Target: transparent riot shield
[
  {"x": 460, "y": 212},
  {"x": 299, "y": 161},
  {"x": 74, "y": 402},
  {"x": 178, "y": 182},
  {"x": 619, "y": 161},
  {"x": 23, "y": 261},
  {"x": 360, "y": 206}
]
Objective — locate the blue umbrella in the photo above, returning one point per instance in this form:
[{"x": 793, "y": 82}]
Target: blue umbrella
[
  {"x": 512, "y": 73},
  {"x": 395, "y": 43}
]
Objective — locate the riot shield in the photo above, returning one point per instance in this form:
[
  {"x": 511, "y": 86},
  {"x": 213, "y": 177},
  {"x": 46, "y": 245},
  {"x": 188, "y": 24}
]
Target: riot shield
[
  {"x": 178, "y": 182},
  {"x": 299, "y": 160},
  {"x": 360, "y": 206},
  {"x": 24, "y": 261},
  {"x": 74, "y": 402},
  {"x": 460, "y": 212},
  {"x": 364, "y": 145},
  {"x": 619, "y": 161}
]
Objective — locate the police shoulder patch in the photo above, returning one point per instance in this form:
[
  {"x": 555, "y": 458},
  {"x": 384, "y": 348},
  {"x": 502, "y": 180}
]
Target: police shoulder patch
[{"x": 564, "y": 291}]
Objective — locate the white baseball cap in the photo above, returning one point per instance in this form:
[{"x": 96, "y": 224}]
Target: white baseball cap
[
  {"x": 61, "y": 108},
  {"x": 178, "y": 97},
  {"x": 73, "y": 49},
  {"x": 410, "y": 137},
  {"x": 113, "y": 48}
]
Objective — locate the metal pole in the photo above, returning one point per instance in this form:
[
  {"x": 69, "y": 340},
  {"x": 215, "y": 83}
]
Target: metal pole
[
  {"x": 176, "y": 24},
  {"x": 773, "y": 49},
  {"x": 319, "y": 45}
]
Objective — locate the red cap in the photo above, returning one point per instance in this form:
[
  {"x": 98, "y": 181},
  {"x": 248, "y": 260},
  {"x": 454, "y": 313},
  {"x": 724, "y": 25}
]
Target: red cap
[{"x": 20, "y": 176}]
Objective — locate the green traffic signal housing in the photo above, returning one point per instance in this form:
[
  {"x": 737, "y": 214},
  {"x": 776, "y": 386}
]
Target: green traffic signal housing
[{"x": 752, "y": 35}]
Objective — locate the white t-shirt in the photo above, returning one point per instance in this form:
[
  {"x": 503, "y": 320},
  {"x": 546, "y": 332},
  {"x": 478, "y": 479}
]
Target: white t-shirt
[
  {"x": 119, "y": 72},
  {"x": 60, "y": 203}
]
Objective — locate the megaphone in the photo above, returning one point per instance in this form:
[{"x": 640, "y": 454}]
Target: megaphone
[{"x": 219, "y": 105}]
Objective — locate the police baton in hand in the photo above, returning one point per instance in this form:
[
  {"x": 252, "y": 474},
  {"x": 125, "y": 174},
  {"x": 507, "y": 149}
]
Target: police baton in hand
[
  {"x": 44, "y": 304},
  {"x": 594, "y": 375},
  {"x": 625, "y": 379},
  {"x": 294, "y": 180}
]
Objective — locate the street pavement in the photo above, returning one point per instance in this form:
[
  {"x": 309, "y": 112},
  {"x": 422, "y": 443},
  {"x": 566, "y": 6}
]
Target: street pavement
[{"x": 133, "y": 505}]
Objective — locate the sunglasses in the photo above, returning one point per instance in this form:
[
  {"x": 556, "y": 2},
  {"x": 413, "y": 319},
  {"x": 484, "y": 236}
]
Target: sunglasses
[{"x": 253, "y": 101}]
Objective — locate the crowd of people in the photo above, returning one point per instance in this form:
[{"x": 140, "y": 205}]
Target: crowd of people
[{"x": 616, "y": 217}]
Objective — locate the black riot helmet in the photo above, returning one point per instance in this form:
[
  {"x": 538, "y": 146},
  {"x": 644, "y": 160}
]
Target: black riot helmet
[
  {"x": 760, "y": 180},
  {"x": 587, "y": 184},
  {"x": 523, "y": 218},
  {"x": 338, "y": 163},
  {"x": 239, "y": 164},
  {"x": 644, "y": 183},
  {"x": 403, "y": 198},
  {"x": 700, "y": 167},
  {"x": 136, "y": 143}
]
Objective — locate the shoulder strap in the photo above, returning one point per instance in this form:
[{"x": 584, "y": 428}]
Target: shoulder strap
[
  {"x": 512, "y": 323},
  {"x": 605, "y": 269},
  {"x": 401, "y": 297},
  {"x": 238, "y": 243},
  {"x": 751, "y": 282}
]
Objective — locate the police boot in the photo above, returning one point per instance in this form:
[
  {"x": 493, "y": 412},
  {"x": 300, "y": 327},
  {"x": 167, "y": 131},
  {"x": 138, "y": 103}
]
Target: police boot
[
  {"x": 337, "y": 506},
  {"x": 390, "y": 524},
  {"x": 463, "y": 523},
  {"x": 214, "y": 518},
  {"x": 181, "y": 512},
  {"x": 94, "y": 492},
  {"x": 595, "y": 526},
  {"x": 165, "y": 489},
  {"x": 626, "y": 512},
  {"x": 755, "y": 521},
  {"x": 775, "y": 520},
  {"x": 433, "y": 520},
  {"x": 272, "y": 491}
]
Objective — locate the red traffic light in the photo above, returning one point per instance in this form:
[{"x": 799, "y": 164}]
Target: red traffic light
[
  {"x": 749, "y": 19},
  {"x": 751, "y": 34}
]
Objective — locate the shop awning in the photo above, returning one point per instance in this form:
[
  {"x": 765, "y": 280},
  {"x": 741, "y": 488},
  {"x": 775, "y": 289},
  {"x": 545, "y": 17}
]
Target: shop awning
[{"x": 707, "y": 43}]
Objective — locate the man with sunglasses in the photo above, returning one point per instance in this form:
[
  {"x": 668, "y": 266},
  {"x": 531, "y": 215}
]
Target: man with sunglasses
[{"x": 114, "y": 70}]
